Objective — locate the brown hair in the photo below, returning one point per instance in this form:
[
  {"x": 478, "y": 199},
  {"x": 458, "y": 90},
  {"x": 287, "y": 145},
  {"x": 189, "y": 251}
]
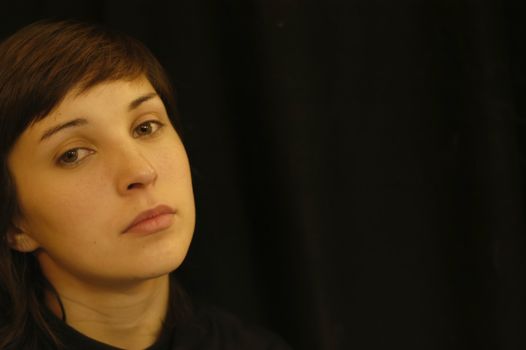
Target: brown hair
[{"x": 39, "y": 65}]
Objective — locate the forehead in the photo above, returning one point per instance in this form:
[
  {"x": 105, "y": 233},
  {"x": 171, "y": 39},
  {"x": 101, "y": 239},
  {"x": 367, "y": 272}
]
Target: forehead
[
  {"x": 96, "y": 104},
  {"x": 104, "y": 96}
]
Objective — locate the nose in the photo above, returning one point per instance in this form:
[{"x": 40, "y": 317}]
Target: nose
[{"x": 135, "y": 172}]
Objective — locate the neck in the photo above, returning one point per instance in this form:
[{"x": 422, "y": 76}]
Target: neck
[{"x": 129, "y": 318}]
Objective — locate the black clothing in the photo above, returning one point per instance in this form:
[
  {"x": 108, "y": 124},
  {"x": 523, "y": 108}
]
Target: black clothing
[{"x": 209, "y": 329}]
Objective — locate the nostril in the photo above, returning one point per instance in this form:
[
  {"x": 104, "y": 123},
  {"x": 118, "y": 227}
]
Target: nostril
[
  {"x": 134, "y": 185},
  {"x": 140, "y": 176}
]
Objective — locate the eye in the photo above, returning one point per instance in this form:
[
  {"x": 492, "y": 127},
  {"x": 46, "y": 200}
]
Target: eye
[
  {"x": 74, "y": 156},
  {"x": 147, "y": 128}
]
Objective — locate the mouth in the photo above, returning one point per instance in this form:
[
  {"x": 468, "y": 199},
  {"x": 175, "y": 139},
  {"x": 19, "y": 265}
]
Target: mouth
[{"x": 151, "y": 221}]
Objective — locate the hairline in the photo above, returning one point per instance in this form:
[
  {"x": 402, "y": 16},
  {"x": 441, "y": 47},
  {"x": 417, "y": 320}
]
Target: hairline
[{"x": 84, "y": 85}]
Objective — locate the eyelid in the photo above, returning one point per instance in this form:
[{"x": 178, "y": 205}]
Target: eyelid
[
  {"x": 156, "y": 122},
  {"x": 60, "y": 163},
  {"x": 158, "y": 126}
]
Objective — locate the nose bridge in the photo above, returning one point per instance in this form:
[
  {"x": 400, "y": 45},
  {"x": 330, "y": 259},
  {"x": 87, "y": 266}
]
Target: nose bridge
[{"x": 133, "y": 168}]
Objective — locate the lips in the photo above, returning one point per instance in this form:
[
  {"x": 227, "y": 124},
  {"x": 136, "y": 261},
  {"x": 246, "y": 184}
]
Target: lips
[{"x": 152, "y": 220}]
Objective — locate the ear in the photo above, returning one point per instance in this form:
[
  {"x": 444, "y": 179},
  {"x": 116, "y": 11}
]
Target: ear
[{"x": 20, "y": 240}]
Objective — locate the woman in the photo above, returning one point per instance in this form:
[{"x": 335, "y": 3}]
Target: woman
[{"x": 97, "y": 203}]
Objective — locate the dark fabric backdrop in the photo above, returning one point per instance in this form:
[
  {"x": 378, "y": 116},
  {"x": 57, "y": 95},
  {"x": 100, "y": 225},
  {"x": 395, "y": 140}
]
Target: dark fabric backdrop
[{"x": 358, "y": 164}]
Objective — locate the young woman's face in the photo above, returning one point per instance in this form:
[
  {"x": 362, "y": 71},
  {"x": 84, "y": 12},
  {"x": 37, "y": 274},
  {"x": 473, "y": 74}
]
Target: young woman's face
[{"x": 97, "y": 164}]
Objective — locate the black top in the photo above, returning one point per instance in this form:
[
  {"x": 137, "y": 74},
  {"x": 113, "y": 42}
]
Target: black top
[{"x": 208, "y": 329}]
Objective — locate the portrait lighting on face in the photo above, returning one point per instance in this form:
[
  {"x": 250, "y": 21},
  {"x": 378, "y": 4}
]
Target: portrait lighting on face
[
  {"x": 115, "y": 171},
  {"x": 97, "y": 207}
]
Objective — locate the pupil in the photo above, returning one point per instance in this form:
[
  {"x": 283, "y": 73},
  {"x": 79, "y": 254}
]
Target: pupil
[
  {"x": 145, "y": 128},
  {"x": 70, "y": 156}
]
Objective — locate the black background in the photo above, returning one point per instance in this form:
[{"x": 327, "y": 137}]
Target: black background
[{"x": 358, "y": 164}]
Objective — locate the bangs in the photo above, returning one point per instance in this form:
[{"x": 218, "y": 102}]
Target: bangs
[{"x": 42, "y": 63}]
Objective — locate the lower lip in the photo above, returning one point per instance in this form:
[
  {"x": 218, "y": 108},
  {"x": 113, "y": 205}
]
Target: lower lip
[{"x": 152, "y": 225}]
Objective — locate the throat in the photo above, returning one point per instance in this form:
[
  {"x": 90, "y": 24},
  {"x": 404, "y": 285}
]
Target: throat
[{"x": 130, "y": 319}]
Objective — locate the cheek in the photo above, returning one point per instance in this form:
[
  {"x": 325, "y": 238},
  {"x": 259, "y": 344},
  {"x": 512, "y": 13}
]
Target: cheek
[
  {"x": 176, "y": 168},
  {"x": 51, "y": 205},
  {"x": 175, "y": 180},
  {"x": 68, "y": 203},
  {"x": 172, "y": 162}
]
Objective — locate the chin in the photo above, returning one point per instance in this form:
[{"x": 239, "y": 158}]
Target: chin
[
  {"x": 160, "y": 266},
  {"x": 159, "y": 254}
]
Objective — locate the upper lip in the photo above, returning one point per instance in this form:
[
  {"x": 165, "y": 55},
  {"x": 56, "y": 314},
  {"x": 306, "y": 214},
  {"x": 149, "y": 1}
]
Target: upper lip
[{"x": 151, "y": 213}]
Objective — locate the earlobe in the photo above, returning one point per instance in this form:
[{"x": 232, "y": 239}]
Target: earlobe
[{"x": 21, "y": 241}]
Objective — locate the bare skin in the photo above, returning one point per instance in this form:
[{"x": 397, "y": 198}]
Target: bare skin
[
  {"x": 81, "y": 187},
  {"x": 131, "y": 319}
]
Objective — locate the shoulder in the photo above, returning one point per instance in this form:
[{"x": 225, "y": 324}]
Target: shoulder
[{"x": 211, "y": 328}]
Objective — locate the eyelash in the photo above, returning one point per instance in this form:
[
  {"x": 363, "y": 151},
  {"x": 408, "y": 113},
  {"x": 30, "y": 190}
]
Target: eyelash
[
  {"x": 149, "y": 122},
  {"x": 76, "y": 161}
]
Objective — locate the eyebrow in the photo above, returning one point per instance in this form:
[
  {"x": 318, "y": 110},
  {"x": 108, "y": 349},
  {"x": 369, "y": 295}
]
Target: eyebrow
[
  {"x": 53, "y": 130},
  {"x": 139, "y": 100},
  {"x": 82, "y": 121}
]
